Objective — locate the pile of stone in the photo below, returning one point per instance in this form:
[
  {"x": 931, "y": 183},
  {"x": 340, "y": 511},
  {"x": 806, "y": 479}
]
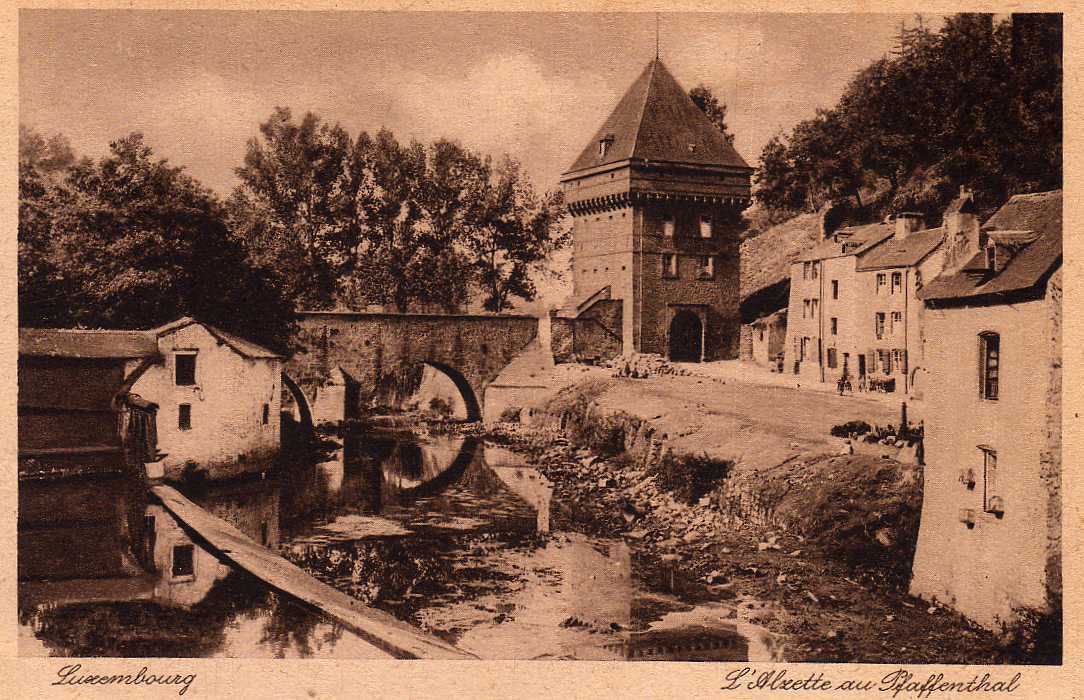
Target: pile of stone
[{"x": 642, "y": 366}]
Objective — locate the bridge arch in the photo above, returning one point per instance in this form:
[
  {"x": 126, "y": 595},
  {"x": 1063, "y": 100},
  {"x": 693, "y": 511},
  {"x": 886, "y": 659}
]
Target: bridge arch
[
  {"x": 470, "y": 399},
  {"x": 302, "y": 401}
]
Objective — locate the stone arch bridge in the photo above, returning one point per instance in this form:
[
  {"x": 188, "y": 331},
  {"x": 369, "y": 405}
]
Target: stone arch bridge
[{"x": 377, "y": 358}]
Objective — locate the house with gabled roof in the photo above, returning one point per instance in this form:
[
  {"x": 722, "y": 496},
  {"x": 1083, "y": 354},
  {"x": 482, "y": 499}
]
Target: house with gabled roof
[
  {"x": 216, "y": 397},
  {"x": 989, "y": 543},
  {"x": 655, "y": 198},
  {"x": 825, "y": 297}
]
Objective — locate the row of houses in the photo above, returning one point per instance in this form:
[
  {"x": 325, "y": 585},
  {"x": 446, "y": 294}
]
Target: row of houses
[{"x": 967, "y": 316}]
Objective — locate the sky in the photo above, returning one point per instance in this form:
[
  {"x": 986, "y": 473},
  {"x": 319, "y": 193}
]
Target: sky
[{"x": 534, "y": 85}]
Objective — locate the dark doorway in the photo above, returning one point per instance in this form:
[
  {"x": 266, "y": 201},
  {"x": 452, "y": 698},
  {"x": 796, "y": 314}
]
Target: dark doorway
[
  {"x": 861, "y": 365},
  {"x": 686, "y": 337}
]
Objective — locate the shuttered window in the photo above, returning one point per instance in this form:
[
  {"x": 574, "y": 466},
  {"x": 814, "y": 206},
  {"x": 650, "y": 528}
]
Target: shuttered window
[{"x": 990, "y": 364}]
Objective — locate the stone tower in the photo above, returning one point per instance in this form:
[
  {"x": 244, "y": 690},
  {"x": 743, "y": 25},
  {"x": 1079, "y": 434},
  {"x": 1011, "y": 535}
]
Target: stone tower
[{"x": 656, "y": 197}]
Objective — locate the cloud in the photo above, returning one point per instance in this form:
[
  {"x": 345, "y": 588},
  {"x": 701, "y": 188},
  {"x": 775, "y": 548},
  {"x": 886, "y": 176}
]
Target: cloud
[{"x": 507, "y": 104}]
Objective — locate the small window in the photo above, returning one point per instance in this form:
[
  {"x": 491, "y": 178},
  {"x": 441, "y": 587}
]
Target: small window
[
  {"x": 705, "y": 227},
  {"x": 991, "y": 258},
  {"x": 835, "y": 289},
  {"x": 990, "y": 359},
  {"x": 668, "y": 225},
  {"x": 184, "y": 416},
  {"x": 186, "y": 369},
  {"x": 805, "y": 270},
  {"x": 760, "y": 334},
  {"x": 879, "y": 322},
  {"x": 805, "y": 307},
  {"x": 897, "y": 282},
  {"x": 832, "y": 358},
  {"x": 835, "y": 326},
  {"x": 669, "y": 265},
  {"x": 880, "y": 281},
  {"x": 264, "y": 532},
  {"x": 815, "y": 270},
  {"x": 706, "y": 269},
  {"x": 813, "y": 303},
  {"x": 897, "y": 321},
  {"x": 266, "y": 414},
  {"x": 184, "y": 561}
]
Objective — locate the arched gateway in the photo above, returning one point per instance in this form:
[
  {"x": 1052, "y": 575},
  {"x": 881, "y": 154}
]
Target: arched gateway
[{"x": 686, "y": 337}]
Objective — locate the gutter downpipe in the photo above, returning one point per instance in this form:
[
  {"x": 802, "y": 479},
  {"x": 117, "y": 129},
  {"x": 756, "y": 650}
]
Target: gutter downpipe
[{"x": 820, "y": 318}]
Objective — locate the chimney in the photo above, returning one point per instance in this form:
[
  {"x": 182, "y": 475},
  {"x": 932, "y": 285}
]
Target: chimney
[
  {"x": 963, "y": 237},
  {"x": 907, "y": 222}
]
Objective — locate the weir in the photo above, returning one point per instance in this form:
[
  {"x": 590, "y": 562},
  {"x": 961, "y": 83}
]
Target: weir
[{"x": 396, "y": 638}]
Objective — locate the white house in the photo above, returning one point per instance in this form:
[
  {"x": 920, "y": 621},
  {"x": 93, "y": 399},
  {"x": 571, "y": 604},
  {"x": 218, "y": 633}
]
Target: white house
[
  {"x": 215, "y": 397},
  {"x": 990, "y": 540},
  {"x": 218, "y": 398}
]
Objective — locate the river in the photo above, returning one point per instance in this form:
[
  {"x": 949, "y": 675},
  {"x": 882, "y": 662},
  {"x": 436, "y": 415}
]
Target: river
[{"x": 448, "y": 533}]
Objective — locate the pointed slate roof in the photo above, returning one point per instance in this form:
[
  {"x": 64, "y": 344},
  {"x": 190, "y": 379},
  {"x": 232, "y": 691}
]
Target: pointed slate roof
[{"x": 657, "y": 121}]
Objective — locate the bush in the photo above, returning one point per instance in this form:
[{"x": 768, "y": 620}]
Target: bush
[
  {"x": 1035, "y": 637},
  {"x": 689, "y": 477},
  {"x": 510, "y": 414},
  {"x": 851, "y": 428},
  {"x": 440, "y": 407}
]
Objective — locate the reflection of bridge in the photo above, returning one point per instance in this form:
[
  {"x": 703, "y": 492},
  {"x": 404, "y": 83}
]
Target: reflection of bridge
[{"x": 382, "y": 354}]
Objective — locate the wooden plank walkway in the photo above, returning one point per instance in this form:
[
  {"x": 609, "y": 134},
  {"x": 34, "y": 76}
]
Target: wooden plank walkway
[{"x": 396, "y": 638}]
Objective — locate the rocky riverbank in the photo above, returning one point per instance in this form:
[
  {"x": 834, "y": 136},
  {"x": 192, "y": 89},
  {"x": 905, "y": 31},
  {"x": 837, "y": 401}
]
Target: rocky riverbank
[{"x": 825, "y": 601}]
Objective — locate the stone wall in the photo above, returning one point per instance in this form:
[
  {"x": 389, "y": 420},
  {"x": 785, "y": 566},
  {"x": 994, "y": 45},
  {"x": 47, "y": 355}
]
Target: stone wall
[
  {"x": 385, "y": 353},
  {"x": 1050, "y": 458}
]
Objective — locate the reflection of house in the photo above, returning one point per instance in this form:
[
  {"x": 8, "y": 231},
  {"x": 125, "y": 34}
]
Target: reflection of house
[
  {"x": 990, "y": 539},
  {"x": 655, "y": 198},
  {"x": 217, "y": 395},
  {"x": 186, "y": 571}
]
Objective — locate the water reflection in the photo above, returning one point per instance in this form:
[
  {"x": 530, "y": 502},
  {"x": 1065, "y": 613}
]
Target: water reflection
[
  {"x": 446, "y": 533},
  {"x": 184, "y": 601}
]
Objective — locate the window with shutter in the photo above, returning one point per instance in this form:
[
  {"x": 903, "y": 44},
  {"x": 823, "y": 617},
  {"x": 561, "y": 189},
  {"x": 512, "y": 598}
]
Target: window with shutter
[{"x": 989, "y": 364}]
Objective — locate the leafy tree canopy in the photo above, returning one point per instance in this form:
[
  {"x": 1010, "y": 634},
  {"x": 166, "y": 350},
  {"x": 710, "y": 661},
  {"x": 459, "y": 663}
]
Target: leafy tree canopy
[
  {"x": 129, "y": 241},
  {"x": 973, "y": 104},
  {"x": 371, "y": 220},
  {"x": 709, "y": 104}
]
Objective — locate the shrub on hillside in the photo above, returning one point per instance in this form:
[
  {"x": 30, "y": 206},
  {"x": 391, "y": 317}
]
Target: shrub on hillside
[
  {"x": 851, "y": 428},
  {"x": 510, "y": 414},
  {"x": 689, "y": 477}
]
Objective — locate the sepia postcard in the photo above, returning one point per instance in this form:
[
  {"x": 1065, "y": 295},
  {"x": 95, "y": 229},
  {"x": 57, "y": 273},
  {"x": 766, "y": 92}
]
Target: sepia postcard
[{"x": 364, "y": 351}]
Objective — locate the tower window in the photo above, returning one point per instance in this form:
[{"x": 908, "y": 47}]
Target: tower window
[
  {"x": 184, "y": 416},
  {"x": 669, "y": 265},
  {"x": 706, "y": 268},
  {"x": 668, "y": 225},
  {"x": 879, "y": 324},
  {"x": 835, "y": 289},
  {"x": 835, "y": 326},
  {"x": 991, "y": 501},
  {"x": 266, "y": 414},
  {"x": 705, "y": 227},
  {"x": 604, "y": 144}
]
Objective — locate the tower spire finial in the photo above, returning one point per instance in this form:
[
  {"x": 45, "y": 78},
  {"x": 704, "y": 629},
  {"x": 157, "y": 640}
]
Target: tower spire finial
[{"x": 656, "y": 36}]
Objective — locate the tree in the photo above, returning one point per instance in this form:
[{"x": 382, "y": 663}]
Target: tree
[
  {"x": 709, "y": 104},
  {"x": 973, "y": 104},
  {"x": 293, "y": 207},
  {"x": 132, "y": 242},
  {"x": 518, "y": 230}
]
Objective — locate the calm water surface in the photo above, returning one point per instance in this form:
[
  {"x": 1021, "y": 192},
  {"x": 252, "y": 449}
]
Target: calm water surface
[{"x": 447, "y": 533}]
